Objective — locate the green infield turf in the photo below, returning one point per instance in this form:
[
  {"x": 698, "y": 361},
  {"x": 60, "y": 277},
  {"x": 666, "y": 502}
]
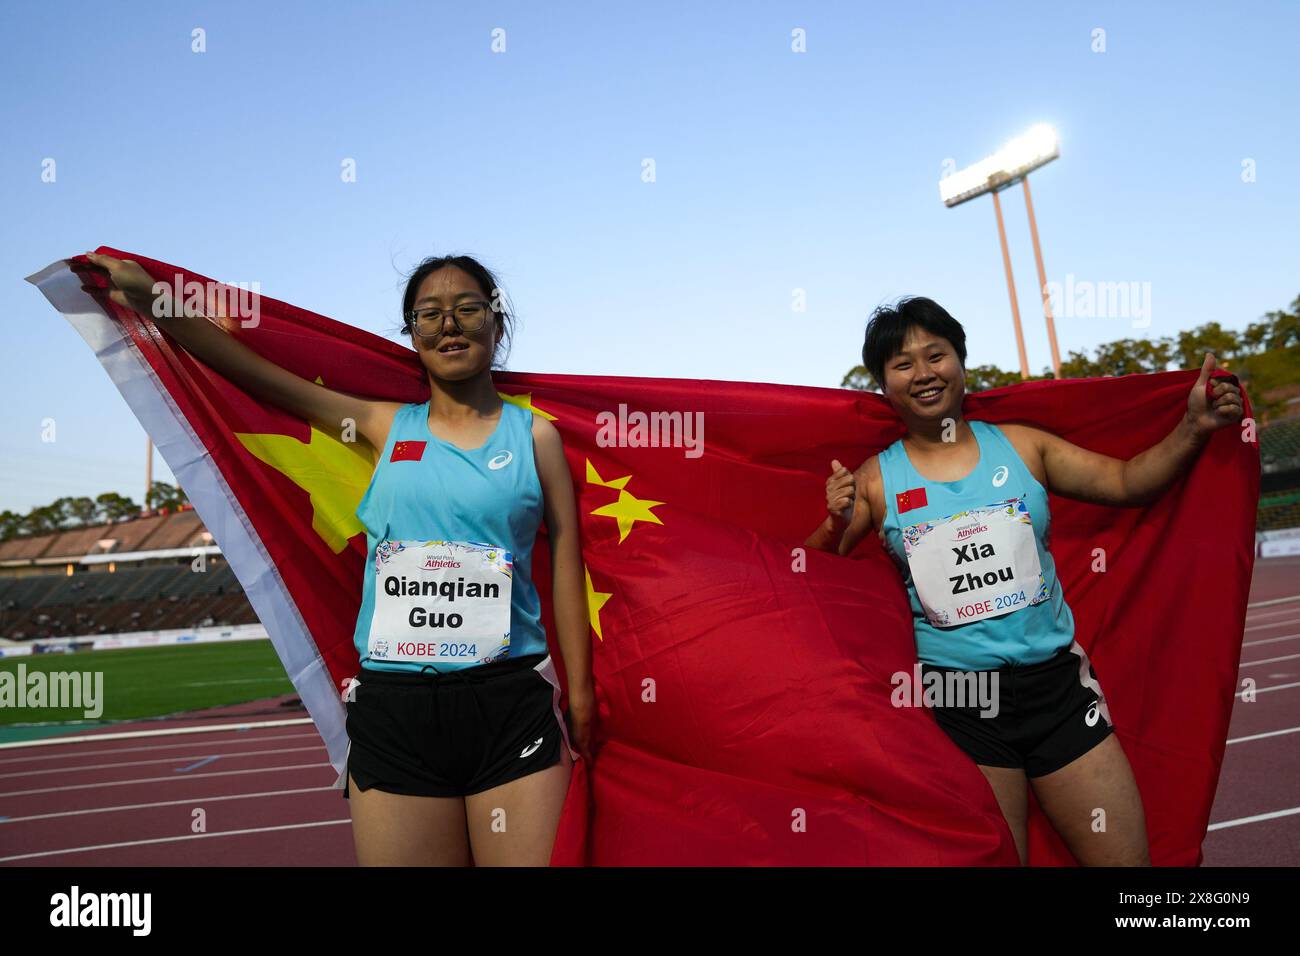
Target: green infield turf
[{"x": 147, "y": 682}]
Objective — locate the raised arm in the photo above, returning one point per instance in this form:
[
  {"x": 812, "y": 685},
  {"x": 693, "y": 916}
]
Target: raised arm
[
  {"x": 1075, "y": 472},
  {"x": 131, "y": 286}
]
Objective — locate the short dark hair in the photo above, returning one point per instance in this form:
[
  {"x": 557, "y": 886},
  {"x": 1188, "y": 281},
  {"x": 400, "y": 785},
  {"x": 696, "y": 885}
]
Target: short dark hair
[
  {"x": 888, "y": 327},
  {"x": 487, "y": 284}
]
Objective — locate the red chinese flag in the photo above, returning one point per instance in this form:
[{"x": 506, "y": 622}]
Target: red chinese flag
[
  {"x": 744, "y": 685},
  {"x": 407, "y": 451},
  {"x": 912, "y": 498}
]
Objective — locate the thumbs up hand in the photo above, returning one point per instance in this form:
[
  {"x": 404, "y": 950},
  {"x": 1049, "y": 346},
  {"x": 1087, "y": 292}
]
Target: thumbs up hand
[
  {"x": 841, "y": 492},
  {"x": 1214, "y": 401}
]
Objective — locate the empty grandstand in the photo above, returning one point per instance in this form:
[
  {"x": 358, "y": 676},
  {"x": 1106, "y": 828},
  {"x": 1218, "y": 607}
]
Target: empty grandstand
[
  {"x": 1279, "y": 449},
  {"x": 144, "y": 574}
]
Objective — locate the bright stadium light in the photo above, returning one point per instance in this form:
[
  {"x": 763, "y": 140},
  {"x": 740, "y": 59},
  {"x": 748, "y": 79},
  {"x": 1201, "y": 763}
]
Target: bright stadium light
[
  {"x": 1011, "y": 164},
  {"x": 1014, "y": 161}
]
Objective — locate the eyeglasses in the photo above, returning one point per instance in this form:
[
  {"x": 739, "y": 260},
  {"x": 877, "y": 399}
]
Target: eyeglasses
[{"x": 467, "y": 317}]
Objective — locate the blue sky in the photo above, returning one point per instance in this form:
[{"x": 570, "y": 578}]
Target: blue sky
[{"x": 775, "y": 171}]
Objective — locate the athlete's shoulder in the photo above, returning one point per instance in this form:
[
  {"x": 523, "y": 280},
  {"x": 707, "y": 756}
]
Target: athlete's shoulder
[
  {"x": 386, "y": 414},
  {"x": 1022, "y": 434},
  {"x": 891, "y": 448},
  {"x": 869, "y": 470},
  {"x": 1023, "y": 428},
  {"x": 542, "y": 429},
  {"x": 547, "y": 445},
  {"x": 1028, "y": 441}
]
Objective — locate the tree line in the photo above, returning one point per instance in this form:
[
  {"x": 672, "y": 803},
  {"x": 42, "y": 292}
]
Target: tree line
[{"x": 66, "y": 514}]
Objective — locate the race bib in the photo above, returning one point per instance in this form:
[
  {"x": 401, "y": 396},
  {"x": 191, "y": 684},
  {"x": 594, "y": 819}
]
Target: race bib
[
  {"x": 440, "y": 602},
  {"x": 975, "y": 564}
]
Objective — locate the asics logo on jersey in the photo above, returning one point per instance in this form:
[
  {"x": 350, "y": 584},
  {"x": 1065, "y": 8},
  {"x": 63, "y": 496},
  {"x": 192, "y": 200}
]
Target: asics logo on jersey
[
  {"x": 1000, "y": 476},
  {"x": 532, "y": 748},
  {"x": 1093, "y": 714},
  {"x": 501, "y": 460}
]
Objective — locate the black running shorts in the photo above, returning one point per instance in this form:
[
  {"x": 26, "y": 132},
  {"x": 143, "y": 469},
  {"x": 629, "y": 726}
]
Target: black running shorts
[
  {"x": 1048, "y": 714},
  {"x": 456, "y": 733}
]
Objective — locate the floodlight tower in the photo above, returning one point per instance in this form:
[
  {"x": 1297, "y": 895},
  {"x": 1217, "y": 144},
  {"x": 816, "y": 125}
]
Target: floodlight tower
[{"x": 1011, "y": 164}]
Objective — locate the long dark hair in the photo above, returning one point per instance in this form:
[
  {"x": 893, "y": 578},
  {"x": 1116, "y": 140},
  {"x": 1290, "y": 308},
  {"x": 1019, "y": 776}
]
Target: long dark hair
[{"x": 487, "y": 284}]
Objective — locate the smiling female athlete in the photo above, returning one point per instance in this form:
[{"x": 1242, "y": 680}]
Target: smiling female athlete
[
  {"x": 457, "y": 747},
  {"x": 961, "y": 506}
]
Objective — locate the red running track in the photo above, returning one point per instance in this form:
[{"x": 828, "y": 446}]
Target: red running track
[
  {"x": 263, "y": 795},
  {"x": 232, "y": 797},
  {"x": 1256, "y": 816}
]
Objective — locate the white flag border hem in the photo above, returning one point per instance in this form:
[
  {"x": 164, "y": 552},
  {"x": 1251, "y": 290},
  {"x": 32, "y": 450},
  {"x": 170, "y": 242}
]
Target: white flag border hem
[{"x": 212, "y": 498}]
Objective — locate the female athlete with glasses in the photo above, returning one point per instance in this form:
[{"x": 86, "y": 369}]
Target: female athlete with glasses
[
  {"x": 457, "y": 747},
  {"x": 961, "y": 506}
]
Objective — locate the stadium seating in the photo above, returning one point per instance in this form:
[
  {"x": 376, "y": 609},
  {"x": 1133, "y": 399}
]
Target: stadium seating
[
  {"x": 1278, "y": 511},
  {"x": 1279, "y": 453},
  {"x": 39, "y": 599},
  {"x": 1279, "y": 443}
]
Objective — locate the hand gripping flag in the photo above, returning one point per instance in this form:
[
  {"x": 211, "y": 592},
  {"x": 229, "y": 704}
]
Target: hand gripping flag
[{"x": 744, "y": 686}]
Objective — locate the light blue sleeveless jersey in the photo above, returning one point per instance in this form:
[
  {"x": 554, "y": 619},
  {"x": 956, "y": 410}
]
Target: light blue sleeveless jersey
[
  {"x": 1026, "y": 636},
  {"x": 487, "y": 494}
]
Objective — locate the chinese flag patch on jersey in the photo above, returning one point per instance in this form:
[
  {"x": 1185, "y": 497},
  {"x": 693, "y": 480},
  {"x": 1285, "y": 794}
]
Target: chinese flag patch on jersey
[
  {"x": 408, "y": 451},
  {"x": 912, "y": 498}
]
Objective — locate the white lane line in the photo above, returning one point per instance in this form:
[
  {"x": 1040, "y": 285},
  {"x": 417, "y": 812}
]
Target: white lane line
[
  {"x": 1270, "y": 660},
  {"x": 170, "y": 779},
  {"x": 1255, "y": 819},
  {"x": 142, "y": 763},
  {"x": 195, "y": 801},
  {"x": 1281, "y": 600},
  {"x": 127, "y": 735},
  {"x": 1289, "y": 622},
  {"x": 1271, "y": 640},
  {"x": 1271, "y": 733},
  {"x": 1265, "y": 690},
  {"x": 177, "y": 839},
  {"x": 207, "y": 744},
  {"x": 1271, "y": 613}
]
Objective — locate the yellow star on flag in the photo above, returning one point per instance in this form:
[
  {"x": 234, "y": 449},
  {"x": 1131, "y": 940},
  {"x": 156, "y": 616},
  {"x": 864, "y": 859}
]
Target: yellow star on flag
[
  {"x": 335, "y": 475},
  {"x": 525, "y": 401},
  {"x": 593, "y": 478},
  {"x": 595, "y": 601}
]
